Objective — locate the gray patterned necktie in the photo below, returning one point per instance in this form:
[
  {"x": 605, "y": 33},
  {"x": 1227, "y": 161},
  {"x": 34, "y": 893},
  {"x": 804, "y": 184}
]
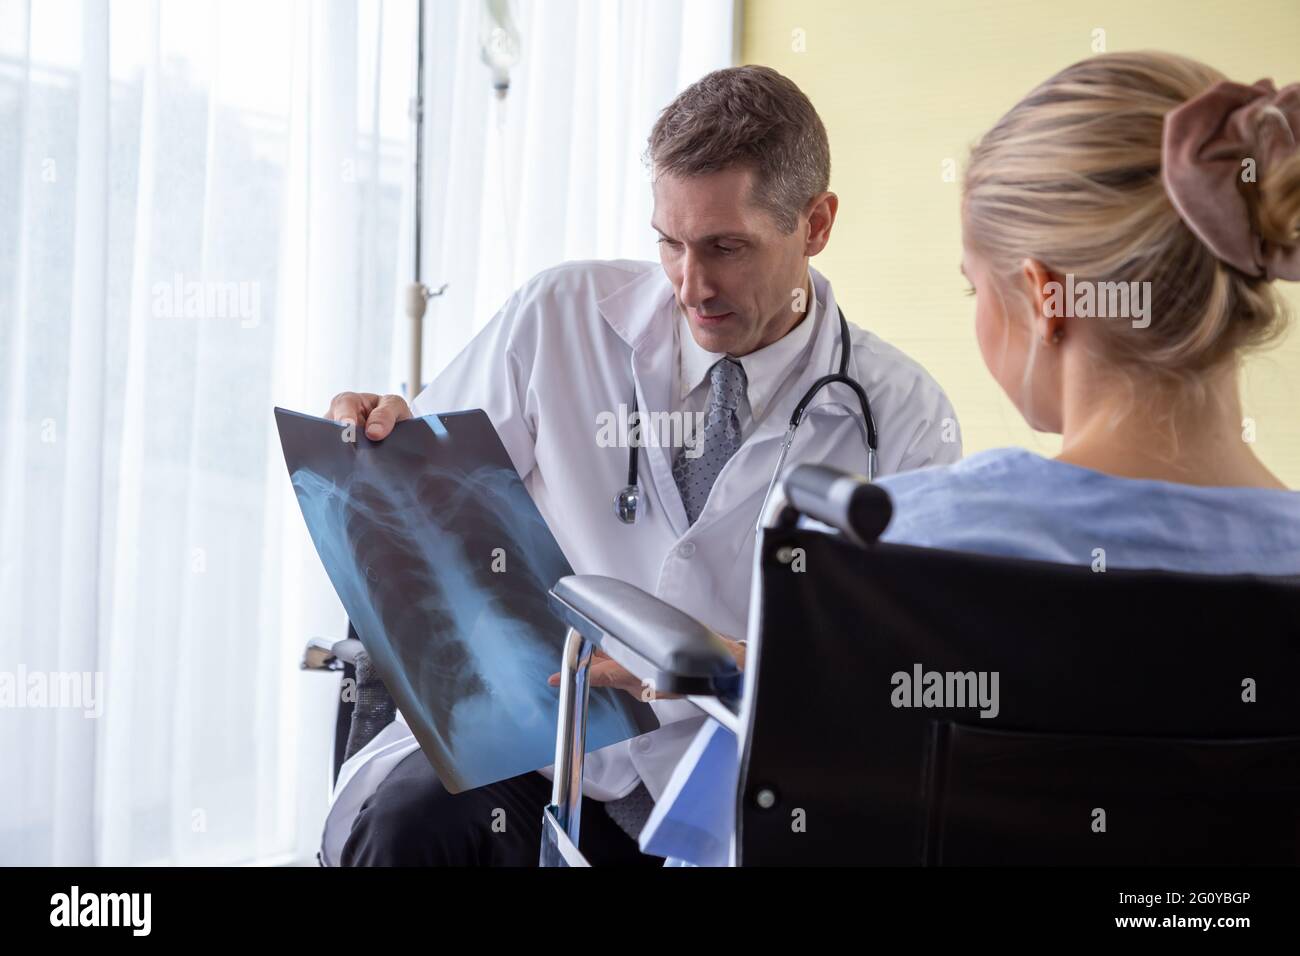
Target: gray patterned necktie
[{"x": 721, "y": 438}]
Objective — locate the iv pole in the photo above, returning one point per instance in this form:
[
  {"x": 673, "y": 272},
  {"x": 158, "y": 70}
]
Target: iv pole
[
  {"x": 499, "y": 39},
  {"x": 417, "y": 293}
]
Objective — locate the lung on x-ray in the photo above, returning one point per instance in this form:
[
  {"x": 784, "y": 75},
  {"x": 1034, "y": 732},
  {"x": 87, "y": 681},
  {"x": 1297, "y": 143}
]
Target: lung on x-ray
[{"x": 443, "y": 564}]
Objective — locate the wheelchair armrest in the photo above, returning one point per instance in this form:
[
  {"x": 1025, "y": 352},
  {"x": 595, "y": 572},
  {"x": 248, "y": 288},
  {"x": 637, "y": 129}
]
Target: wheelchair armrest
[
  {"x": 653, "y": 640},
  {"x": 847, "y": 502}
]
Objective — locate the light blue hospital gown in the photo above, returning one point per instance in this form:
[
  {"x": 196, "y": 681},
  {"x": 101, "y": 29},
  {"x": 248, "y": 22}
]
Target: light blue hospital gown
[{"x": 1015, "y": 503}]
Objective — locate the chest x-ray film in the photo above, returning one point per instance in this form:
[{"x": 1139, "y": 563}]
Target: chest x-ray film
[{"x": 443, "y": 564}]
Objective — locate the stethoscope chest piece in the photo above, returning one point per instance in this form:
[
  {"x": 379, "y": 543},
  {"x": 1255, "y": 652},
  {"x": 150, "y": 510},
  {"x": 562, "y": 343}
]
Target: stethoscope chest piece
[{"x": 626, "y": 503}]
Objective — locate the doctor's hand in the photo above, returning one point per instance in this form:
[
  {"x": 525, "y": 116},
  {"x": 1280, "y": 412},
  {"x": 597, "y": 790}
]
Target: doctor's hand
[
  {"x": 606, "y": 672},
  {"x": 377, "y": 414}
]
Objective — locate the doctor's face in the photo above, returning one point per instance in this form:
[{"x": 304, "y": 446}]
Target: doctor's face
[{"x": 737, "y": 275}]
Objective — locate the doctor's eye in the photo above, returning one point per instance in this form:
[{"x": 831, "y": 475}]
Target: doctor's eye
[
  {"x": 970, "y": 290},
  {"x": 670, "y": 243}
]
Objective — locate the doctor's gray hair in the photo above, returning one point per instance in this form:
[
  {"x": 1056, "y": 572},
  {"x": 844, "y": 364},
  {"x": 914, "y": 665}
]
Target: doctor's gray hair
[{"x": 747, "y": 116}]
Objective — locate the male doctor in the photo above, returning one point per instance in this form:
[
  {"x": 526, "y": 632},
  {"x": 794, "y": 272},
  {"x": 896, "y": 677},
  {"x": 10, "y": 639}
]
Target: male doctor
[{"x": 729, "y": 331}]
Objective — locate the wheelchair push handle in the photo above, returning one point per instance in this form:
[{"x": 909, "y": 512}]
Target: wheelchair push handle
[{"x": 847, "y": 502}]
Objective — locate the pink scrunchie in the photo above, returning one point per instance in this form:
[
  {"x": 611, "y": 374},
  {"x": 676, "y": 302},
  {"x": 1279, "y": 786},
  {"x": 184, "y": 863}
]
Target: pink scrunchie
[{"x": 1205, "y": 141}]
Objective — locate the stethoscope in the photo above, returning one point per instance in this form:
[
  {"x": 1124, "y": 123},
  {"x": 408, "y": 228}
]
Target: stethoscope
[{"x": 627, "y": 501}]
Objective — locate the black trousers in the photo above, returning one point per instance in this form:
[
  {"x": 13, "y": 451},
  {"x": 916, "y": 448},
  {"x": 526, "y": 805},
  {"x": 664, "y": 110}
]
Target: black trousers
[{"x": 411, "y": 820}]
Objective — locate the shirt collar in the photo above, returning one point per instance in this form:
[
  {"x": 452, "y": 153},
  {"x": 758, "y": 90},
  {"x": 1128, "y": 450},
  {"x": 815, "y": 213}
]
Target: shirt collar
[{"x": 765, "y": 369}]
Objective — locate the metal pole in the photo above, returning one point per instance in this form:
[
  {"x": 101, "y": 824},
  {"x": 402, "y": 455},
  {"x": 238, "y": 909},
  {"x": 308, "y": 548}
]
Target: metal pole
[
  {"x": 571, "y": 733},
  {"x": 417, "y": 293}
]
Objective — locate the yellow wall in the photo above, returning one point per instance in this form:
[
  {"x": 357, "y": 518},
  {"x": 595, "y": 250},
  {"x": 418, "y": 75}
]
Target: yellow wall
[{"x": 904, "y": 86}]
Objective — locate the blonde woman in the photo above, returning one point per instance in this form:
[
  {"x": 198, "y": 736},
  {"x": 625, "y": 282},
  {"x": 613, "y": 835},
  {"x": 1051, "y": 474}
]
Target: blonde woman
[
  {"x": 1125, "y": 225},
  {"x": 1142, "y": 184}
]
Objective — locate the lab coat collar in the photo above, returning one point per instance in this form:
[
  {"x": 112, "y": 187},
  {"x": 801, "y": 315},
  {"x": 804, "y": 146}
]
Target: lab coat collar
[
  {"x": 766, "y": 369},
  {"x": 634, "y": 311}
]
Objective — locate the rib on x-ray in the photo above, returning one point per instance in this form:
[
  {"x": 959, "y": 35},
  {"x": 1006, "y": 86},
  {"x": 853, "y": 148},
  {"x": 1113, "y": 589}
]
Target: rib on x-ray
[{"x": 443, "y": 563}]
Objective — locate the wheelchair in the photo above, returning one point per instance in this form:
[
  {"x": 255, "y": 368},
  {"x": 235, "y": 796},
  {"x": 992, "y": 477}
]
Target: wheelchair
[{"x": 1141, "y": 717}]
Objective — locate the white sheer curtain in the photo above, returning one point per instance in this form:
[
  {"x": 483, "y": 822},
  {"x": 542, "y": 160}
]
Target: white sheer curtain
[{"x": 204, "y": 212}]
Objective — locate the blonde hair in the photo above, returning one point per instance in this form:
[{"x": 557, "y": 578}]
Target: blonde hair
[{"x": 1071, "y": 177}]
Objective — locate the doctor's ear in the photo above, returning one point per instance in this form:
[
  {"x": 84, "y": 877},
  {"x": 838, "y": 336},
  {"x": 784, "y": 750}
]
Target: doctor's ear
[
  {"x": 1044, "y": 287},
  {"x": 821, "y": 217}
]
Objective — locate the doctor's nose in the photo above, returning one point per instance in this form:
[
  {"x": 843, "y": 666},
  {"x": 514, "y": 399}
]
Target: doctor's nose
[{"x": 696, "y": 289}]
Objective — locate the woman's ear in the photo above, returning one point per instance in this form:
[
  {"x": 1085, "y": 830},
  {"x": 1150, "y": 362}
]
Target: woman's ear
[{"x": 1045, "y": 292}]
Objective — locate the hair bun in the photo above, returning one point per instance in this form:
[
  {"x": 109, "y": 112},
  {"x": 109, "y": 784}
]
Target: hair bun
[
  {"x": 1278, "y": 208},
  {"x": 1209, "y": 144}
]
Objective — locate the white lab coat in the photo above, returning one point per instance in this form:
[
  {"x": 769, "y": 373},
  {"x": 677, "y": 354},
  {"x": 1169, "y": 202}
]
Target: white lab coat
[{"x": 569, "y": 345}]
